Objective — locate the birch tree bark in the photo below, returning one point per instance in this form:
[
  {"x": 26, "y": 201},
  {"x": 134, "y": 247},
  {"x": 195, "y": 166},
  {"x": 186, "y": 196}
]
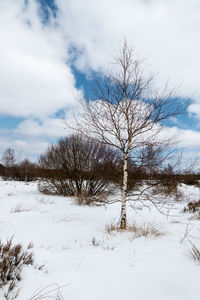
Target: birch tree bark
[{"x": 123, "y": 217}]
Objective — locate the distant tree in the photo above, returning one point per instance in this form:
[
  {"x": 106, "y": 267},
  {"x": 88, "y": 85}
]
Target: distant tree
[
  {"x": 151, "y": 158},
  {"x": 169, "y": 170},
  {"x": 8, "y": 158},
  {"x": 27, "y": 171},
  {"x": 13, "y": 170}
]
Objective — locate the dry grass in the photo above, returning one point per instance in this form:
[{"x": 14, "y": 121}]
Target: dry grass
[
  {"x": 12, "y": 260},
  {"x": 19, "y": 209},
  {"x": 45, "y": 201},
  {"x": 52, "y": 291},
  {"x": 90, "y": 200},
  {"x": 30, "y": 245},
  {"x": 175, "y": 222},
  {"x": 194, "y": 252},
  {"x": 147, "y": 230},
  {"x": 102, "y": 244}
]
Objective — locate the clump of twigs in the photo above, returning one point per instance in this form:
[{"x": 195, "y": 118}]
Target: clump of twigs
[{"x": 192, "y": 207}]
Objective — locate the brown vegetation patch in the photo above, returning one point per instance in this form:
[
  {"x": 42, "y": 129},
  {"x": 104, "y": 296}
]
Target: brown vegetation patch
[{"x": 146, "y": 230}]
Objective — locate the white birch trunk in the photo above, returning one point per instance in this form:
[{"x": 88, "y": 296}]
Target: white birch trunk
[{"x": 124, "y": 192}]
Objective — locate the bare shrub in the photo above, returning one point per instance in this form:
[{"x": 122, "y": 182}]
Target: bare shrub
[
  {"x": 96, "y": 200},
  {"x": 192, "y": 207},
  {"x": 12, "y": 259},
  {"x": 77, "y": 166},
  {"x": 167, "y": 184},
  {"x": 170, "y": 190},
  {"x": 145, "y": 230},
  {"x": 190, "y": 179}
]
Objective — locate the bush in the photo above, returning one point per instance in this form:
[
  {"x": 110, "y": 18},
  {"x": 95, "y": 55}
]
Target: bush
[
  {"x": 12, "y": 260},
  {"x": 168, "y": 189},
  {"x": 77, "y": 166},
  {"x": 192, "y": 207},
  {"x": 190, "y": 179}
]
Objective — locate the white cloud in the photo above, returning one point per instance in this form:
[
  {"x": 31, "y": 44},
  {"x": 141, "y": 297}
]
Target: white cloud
[
  {"x": 52, "y": 127},
  {"x": 35, "y": 80},
  {"x": 194, "y": 109},
  {"x": 31, "y": 148},
  {"x": 186, "y": 138},
  {"x": 168, "y": 31}
]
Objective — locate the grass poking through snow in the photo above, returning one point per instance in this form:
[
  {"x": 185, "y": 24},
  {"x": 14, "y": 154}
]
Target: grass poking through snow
[{"x": 147, "y": 230}]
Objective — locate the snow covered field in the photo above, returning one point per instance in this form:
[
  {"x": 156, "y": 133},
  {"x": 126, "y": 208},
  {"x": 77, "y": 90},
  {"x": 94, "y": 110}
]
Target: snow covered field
[{"x": 72, "y": 248}]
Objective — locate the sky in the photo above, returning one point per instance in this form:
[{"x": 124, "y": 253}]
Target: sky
[{"x": 51, "y": 49}]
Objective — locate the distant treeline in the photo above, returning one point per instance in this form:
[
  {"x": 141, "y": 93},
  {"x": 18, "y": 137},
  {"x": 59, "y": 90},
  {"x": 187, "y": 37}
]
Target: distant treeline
[
  {"x": 24, "y": 171},
  {"x": 79, "y": 160}
]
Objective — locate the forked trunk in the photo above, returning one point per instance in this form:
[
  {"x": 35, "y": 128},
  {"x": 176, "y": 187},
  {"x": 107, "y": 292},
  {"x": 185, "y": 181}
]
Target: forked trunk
[{"x": 123, "y": 220}]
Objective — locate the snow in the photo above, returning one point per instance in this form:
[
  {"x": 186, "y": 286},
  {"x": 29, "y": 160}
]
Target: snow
[{"x": 114, "y": 266}]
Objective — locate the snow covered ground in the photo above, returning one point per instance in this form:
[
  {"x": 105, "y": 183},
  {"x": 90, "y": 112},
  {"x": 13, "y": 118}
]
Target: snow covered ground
[{"x": 72, "y": 248}]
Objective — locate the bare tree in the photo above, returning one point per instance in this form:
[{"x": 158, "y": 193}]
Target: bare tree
[
  {"x": 8, "y": 157},
  {"x": 125, "y": 111},
  {"x": 26, "y": 171}
]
